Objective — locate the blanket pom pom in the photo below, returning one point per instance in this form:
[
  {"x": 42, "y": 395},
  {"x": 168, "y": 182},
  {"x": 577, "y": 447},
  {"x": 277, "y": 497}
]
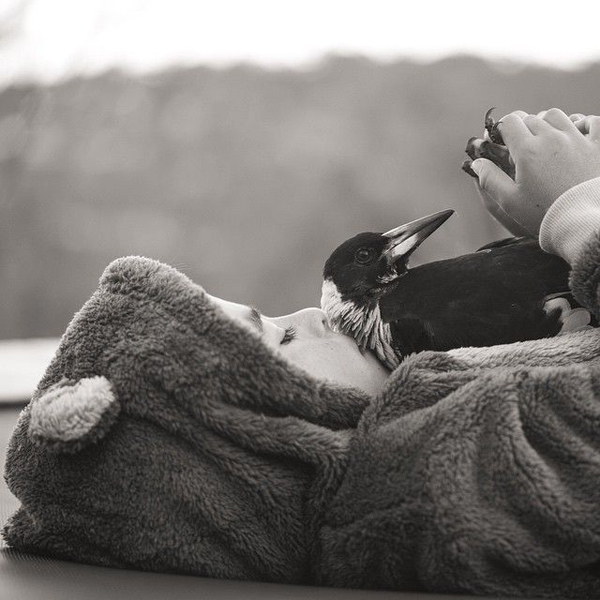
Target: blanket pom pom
[{"x": 73, "y": 414}]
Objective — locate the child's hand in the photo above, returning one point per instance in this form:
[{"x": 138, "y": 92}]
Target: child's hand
[
  {"x": 552, "y": 153},
  {"x": 496, "y": 210}
]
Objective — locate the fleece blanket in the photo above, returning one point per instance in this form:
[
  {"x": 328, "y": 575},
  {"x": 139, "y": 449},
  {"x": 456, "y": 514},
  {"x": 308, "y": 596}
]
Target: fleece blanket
[{"x": 166, "y": 437}]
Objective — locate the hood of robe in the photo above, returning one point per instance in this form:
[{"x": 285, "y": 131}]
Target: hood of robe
[{"x": 165, "y": 436}]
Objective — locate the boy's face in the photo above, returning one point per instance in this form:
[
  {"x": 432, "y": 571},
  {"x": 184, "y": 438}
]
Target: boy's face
[{"x": 305, "y": 340}]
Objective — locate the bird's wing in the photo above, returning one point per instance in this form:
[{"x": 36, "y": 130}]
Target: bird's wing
[
  {"x": 411, "y": 334},
  {"x": 511, "y": 241}
]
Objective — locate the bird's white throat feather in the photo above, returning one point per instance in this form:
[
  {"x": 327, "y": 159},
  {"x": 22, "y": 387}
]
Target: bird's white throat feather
[{"x": 363, "y": 323}]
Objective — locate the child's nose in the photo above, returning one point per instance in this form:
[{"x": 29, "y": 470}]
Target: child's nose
[
  {"x": 314, "y": 318},
  {"x": 309, "y": 320}
]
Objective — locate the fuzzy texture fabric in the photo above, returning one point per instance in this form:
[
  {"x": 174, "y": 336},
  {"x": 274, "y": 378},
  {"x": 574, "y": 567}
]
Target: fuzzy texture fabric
[
  {"x": 469, "y": 475},
  {"x": 215, "y": 459},
  {"x": 473, "y": 471},
  {"x": 70, "y": 415}
]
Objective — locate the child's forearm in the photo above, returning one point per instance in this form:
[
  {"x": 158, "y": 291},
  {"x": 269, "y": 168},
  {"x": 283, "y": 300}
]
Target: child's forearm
[
  {"x": 572, "y": 221},
  {"x": 571, "y": 229}
]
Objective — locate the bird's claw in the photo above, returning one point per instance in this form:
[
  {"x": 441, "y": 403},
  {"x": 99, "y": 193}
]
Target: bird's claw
[
  {"x": 491, "y": 146},
  {"x": 492, "y": 127}
]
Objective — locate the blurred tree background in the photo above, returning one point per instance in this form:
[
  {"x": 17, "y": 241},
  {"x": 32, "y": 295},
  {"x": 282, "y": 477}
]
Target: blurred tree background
[{"x": 243, "y": 178}]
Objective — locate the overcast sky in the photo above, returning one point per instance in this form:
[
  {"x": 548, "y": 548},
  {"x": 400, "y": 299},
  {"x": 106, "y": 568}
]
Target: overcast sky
[{"x": 53, "y": 39}]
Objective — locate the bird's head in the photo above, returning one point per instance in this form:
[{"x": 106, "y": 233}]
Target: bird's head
[{"x": 368, "y": 265}]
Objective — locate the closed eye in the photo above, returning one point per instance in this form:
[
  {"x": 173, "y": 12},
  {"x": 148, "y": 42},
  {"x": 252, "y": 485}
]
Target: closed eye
[
  {"x": 289, "y": 334},
  {"x": 255, "y": 318}
]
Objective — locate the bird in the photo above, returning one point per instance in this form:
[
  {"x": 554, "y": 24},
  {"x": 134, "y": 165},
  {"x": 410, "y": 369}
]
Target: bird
[{"x": 507, "y": 291}]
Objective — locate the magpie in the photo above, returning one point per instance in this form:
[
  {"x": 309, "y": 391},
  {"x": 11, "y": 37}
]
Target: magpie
[{"x": 496, "y": 295}]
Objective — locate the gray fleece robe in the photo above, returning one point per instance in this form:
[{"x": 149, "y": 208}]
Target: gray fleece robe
[{"x": 166, "y": 437}]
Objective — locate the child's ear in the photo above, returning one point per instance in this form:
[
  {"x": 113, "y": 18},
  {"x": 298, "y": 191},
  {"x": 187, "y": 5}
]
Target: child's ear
[{"x": 73, "y": 414}]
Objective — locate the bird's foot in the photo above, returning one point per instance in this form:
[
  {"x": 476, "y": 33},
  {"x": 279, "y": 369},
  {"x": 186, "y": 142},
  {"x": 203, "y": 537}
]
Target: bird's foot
[
  {"x": 491, "y": 146},
  {"x": 491, "y": 126}
]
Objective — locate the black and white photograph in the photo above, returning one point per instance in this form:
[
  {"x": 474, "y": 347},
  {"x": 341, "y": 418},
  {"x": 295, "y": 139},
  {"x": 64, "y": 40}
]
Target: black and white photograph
[{"x": 299, "y": 300}]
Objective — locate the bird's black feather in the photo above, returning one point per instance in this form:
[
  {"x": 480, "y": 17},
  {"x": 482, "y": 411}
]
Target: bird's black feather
[
  {"x": 509, "y": 241},
  {"x": 479, "y": 299},
  {"x": 496, "y": 295}
]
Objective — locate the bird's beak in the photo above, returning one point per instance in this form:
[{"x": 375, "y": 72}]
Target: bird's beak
[{"x": 407, "y": 238}]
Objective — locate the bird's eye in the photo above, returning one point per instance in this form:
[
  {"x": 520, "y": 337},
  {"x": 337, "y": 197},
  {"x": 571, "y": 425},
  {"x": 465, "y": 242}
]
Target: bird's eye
[{"x": 364, "y": 256}]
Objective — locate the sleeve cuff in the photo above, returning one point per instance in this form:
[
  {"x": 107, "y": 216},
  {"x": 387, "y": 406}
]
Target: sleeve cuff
[{"x": 572, "y": 221}]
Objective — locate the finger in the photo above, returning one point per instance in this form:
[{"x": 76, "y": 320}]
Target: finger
[
  {"x": 558, "y": 119},
  {"x": 590, "y": 126},
  {"x": 494, "y": 180},
  {"x": 574, "y": 320},
  {"x": 594, "y": 127},
  {"x": 513, "y": 130},
  {"x": 582, "y": 125},
  {"x": 519, "y": 113},
  {"x": 576, "y": 117},
  {"x": 578, "y": 317},
  {"x": 537, "y": 125}
]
